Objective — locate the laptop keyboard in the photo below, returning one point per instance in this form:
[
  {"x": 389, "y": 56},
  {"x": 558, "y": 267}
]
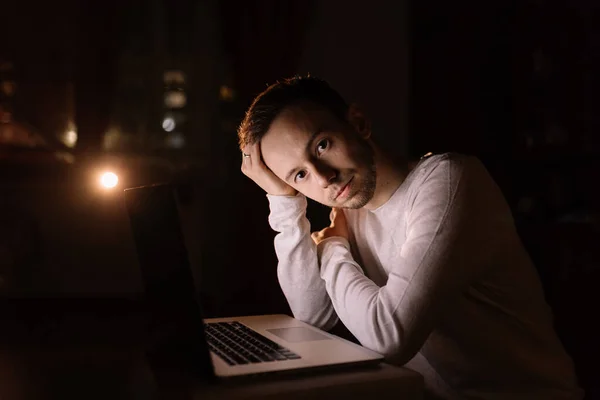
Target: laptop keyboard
[{"x": 237, "y": 344}]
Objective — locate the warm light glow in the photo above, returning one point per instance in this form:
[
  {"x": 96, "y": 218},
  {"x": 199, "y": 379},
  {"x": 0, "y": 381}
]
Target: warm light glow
[
  {"x": 226, "y": 93},
  {"x": 175, "y": 99},
  {"x": 174, "y": 76},
  {"x": 168, "y": 124},
  {"x": 109, "y": 180},
  {"x": 70, "y": 138}
]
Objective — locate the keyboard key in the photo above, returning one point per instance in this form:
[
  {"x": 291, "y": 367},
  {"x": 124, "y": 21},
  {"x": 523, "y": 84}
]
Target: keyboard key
[
  {"x": 243, "y": 345},
  {"x": 218, "y": 352},
  {"x": 239, "y": 359}
]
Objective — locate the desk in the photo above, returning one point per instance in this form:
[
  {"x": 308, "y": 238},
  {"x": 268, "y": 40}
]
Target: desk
[
  {"x": 108, "y": 374},
  {"x": 84, "y": 353},
  {"x": 382, "y": 382}
]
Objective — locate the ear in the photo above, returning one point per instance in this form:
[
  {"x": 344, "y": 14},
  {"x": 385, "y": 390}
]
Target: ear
[{"x": 359, "y": 121}]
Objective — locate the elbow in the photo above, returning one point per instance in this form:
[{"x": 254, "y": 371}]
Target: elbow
[
  {"x": 396, "y": 354},
  {"x": 389, "y": 337},
  {"x": 383, "y": 338},
  {"x": 395, "y": 348},
  {"x": 390, "y": 349},
  {"x": 383, "y": 334},
  {"x": 393, "y": 352}
]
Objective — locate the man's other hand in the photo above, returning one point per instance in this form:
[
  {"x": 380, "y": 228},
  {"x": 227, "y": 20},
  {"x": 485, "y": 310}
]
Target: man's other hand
[
  {"x": 338, "y": 227},
  {"x": 254, "y": 168}
]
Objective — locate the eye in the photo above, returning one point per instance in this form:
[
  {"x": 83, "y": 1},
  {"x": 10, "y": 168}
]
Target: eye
[
  {"x": 322, "y": 146},
  {"x": 299, "y": 176}
]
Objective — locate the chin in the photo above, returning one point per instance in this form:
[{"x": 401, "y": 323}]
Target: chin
[{"x": 358, "y": 200}]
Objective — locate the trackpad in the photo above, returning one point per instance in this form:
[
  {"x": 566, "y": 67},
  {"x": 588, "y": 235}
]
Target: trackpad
[{"x": 298, "y": 334}]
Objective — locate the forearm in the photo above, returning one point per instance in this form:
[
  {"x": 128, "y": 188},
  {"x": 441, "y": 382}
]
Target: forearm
[
  {"x": 393, "y": 320},
  {"x": 360, "y": 304},
  {"x": 298, "y": 266}
]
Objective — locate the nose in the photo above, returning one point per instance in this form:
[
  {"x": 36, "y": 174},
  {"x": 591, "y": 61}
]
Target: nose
[{"x": 324, "y": 174}]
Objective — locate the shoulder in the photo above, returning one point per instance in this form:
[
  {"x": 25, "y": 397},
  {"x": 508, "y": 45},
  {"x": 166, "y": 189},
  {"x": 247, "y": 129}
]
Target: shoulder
[
  {"x": 448, "y": 166},
  {"x": 448, "y": 176},
  {"x": 452, "y": 162}
]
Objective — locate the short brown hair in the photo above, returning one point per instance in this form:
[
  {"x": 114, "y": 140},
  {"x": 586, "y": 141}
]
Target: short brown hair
[{"x": 267, "y": 105}]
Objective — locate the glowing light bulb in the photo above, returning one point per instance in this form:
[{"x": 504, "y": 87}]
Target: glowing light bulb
[
  {"x": 109, "y": 180},
  {"x": 168, "y": 124}
]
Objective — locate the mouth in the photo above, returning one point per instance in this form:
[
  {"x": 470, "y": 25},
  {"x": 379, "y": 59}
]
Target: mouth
[{"x": 344, "y": 191}]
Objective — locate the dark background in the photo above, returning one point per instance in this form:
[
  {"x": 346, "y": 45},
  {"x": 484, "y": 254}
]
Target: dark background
[{"x": 514, "y": 83}]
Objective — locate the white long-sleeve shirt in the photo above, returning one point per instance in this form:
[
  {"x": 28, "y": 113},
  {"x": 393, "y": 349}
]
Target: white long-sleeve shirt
[{"x": 435, "y": 279}]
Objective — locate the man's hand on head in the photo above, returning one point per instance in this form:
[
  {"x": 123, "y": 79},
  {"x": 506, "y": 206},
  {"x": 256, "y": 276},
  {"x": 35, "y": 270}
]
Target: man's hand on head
[
  {"x": 254, "y": 168},
  {"x": 338, "y": 227}
]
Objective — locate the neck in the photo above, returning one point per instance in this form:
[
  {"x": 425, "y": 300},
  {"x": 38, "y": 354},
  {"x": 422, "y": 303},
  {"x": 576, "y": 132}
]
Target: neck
[{"x": 390, "y": 176}]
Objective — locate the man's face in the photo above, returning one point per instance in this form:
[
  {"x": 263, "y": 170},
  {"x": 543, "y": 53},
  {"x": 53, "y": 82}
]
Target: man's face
[{"x": 322, "y": 157}]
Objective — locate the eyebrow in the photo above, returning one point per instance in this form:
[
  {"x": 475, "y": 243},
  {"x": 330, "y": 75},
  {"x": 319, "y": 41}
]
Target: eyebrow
[{"x": 309, "y": 146}]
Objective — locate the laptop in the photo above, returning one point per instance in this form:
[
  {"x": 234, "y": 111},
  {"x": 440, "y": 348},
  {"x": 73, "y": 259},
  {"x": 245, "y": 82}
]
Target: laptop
[{"x": 219, "y": 347}]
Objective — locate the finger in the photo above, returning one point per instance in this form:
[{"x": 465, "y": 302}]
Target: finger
[
  {"x": 246, "y": 161},
  {"x": 255, "y": 152},
  {"x": 332, "y": 214},
  {"x": 259, "y": 158}
]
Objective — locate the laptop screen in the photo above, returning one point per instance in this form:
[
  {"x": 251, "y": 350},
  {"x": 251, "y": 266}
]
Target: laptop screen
[
  {"x": 177, "y": 328},
  {"x": 161, "y": 250}
]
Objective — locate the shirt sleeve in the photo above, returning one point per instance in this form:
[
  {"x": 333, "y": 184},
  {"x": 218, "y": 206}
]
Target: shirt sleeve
[
  {"x": 298, "y": 265},
  {"x": 432, "y": 269}
]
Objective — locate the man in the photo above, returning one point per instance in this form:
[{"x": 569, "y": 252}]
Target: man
[{"x": 422, "y": 266}]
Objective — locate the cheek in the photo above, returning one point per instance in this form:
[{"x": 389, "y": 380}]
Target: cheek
[
  {"x": 310, "y": 190},
  {"x": 342, "y": 157},
  {"x": 360, "y": 154}
]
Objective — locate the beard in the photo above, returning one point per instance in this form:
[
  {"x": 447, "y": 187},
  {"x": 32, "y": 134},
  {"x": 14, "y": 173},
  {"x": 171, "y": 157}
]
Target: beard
[{"x": 364, "y": 190}]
